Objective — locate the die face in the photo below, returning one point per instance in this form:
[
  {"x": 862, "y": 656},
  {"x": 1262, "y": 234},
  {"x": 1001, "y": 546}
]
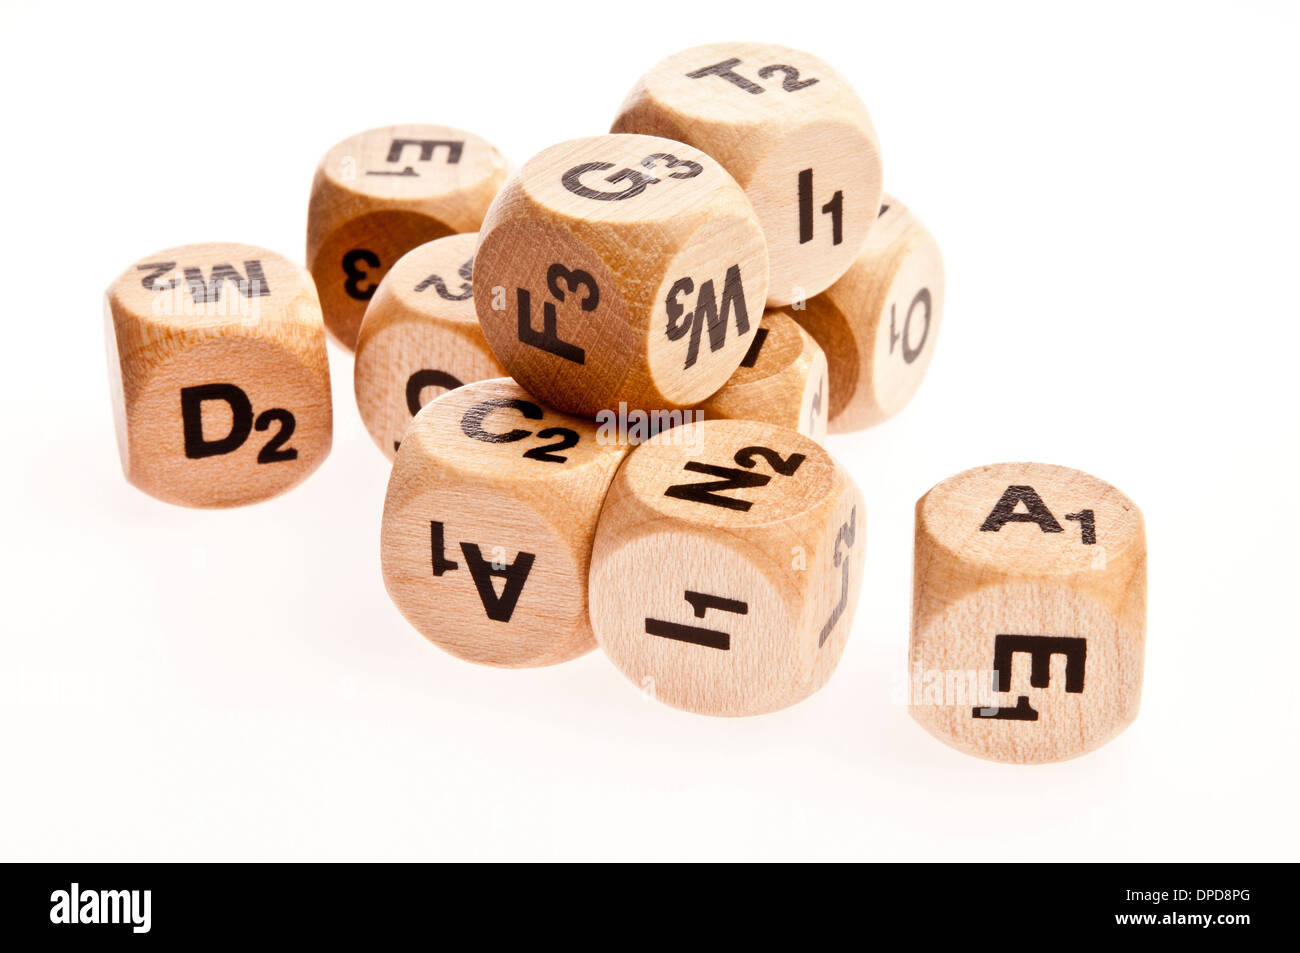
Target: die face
[
  {"x": 623, "y": 180},
  {"x": 709, "y": 633},
  {"x": 879, "y": 324},
  {"x": 488, "y": 522},
  {"x": 754, "y": 85},
  {"x": 777, "y": 347},
  {"x": 792, "y": 132},
  {"x": 220, "y": 379},
  {"x": 816, "y": 194},
  {"x": 783, "y": 380},
  {"x": 907, "y": 328},
  {"x": 420, "y": 338},
  {"x": 383, "y": 192},
  {"x": 1032, "y": 519},
  {"x": 494, "y": 427},
  {"x": 552, "y": 314},
  {"x": 215, "y": 286},
  {"x": 487, "y": 578},
  {"x": 726, "y": 567},
  {"x": 1026, "y": 673},
  {"x": 775, "y": 475},
  {"x": 351, "y": 262},
  {"x": 437, "y": 279},
  {"x": 1028, "y": 627},
  {"x": 720, "y": 271},
  {"x": 620, "y": 268},
  {"x": 814, "y": 406},
  {"x": 414, "y": 163}
]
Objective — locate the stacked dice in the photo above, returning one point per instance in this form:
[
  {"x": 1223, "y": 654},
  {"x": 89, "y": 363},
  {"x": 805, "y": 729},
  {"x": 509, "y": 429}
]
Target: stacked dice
[
  {"x": 723, "y": 270},
  {"x": 605, "y": 382}
]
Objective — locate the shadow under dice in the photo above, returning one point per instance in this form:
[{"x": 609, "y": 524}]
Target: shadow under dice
[
  {"x": 218, "y": 373},
  {"x": 1029, "y": 612},
  {"x": 488, "y": 523},
  {"x": 726, "y": 567}
]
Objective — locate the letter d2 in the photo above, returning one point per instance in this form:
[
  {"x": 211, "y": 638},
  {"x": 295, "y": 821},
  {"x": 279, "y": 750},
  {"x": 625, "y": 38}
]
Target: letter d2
[{"x": 241, "y": 424}]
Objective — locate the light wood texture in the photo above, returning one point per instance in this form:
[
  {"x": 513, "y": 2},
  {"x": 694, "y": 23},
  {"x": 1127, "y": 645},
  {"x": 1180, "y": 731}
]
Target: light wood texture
[
  {"x": 420, "y": 338},
  {"x": 379, "y": 194},
  {"x": 794, "y": 135},
  {"x": 783, "y": 380},
  {"x": 218, "y": 373},
  {"x": 620, "y": 268},
  {"x": 487, "y": 529},
  {"x": 727, "y": 565},
  {"x": 1036, "y": 572},
  {"x": 879, "y": 323}
]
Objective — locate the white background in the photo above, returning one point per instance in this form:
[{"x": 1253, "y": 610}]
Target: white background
[{"x": 1114, "y": 188}]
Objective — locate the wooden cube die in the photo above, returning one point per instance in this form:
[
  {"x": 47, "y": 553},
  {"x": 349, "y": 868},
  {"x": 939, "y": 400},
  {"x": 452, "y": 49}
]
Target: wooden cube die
[
  {"x": 420, "y": 338},
  {"x": 878, "y": 324},
  {"x": 381, "y": 193},
  {"x": 620, "y": 269},
  {"x": 218, "y": 374},
  {"x": 783, "y": 380},
  {"x": 1028, "y": 612},
  {"x": 487, "y": 528},
  {"x": 727, "y": 565},
  {"x": 794, "y": 135}
]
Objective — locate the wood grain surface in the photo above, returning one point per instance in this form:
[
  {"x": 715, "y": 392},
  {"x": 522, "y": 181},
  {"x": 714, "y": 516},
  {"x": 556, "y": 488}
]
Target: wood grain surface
[
  {"x": 783, "y": 380},
  {"x": 795, "y": 136},
  {"x": 218, "y": 374},
  {"x": 382, "y": 192},
  {"x": 1028, "y": 612},
  {"x": 620, "y": 268},
  {"x": 488, "y": 523},
  {"x": 727, "y": 565},
  {"x": 879, "y": 323},
  {"x": 420, "y": 338}
]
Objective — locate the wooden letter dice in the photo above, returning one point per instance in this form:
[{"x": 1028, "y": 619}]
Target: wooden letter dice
[
  {"x": 1028, "y": 612},
  {"x": 487, "y": 529},
  {"x": 379, "y": 194},
  {"x": 795, "y": 136},
  {"x": 218, "y": 372},
  {"x": 620, "y": 269},
  {"x": 783, "y": 380},
  {"x": 420, "y": 338},
  {"x": 727, "y": 565},
  {"x": 878, "y": 324}
]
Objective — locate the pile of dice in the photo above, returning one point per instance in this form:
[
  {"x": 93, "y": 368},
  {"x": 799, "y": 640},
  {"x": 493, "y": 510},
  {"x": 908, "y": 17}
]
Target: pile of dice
[{"x": 605, "y": 381}]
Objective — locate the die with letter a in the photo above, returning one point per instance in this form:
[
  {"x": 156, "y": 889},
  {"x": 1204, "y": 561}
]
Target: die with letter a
[
  {"x": 420, "y": 338},
  {"x": 783, "y": 380},
  {"x": 727, "y": 565},
  {"x": 381, "y": 193},
  {"x": 1028, "y": 612},
  {"x": 620, "y": 269},
  {"x": 218, "y": 372},
  {"x": 795, "y": 136},
  {"x": 879, "y": 323},
  {"x": 487, "y": 529}
]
